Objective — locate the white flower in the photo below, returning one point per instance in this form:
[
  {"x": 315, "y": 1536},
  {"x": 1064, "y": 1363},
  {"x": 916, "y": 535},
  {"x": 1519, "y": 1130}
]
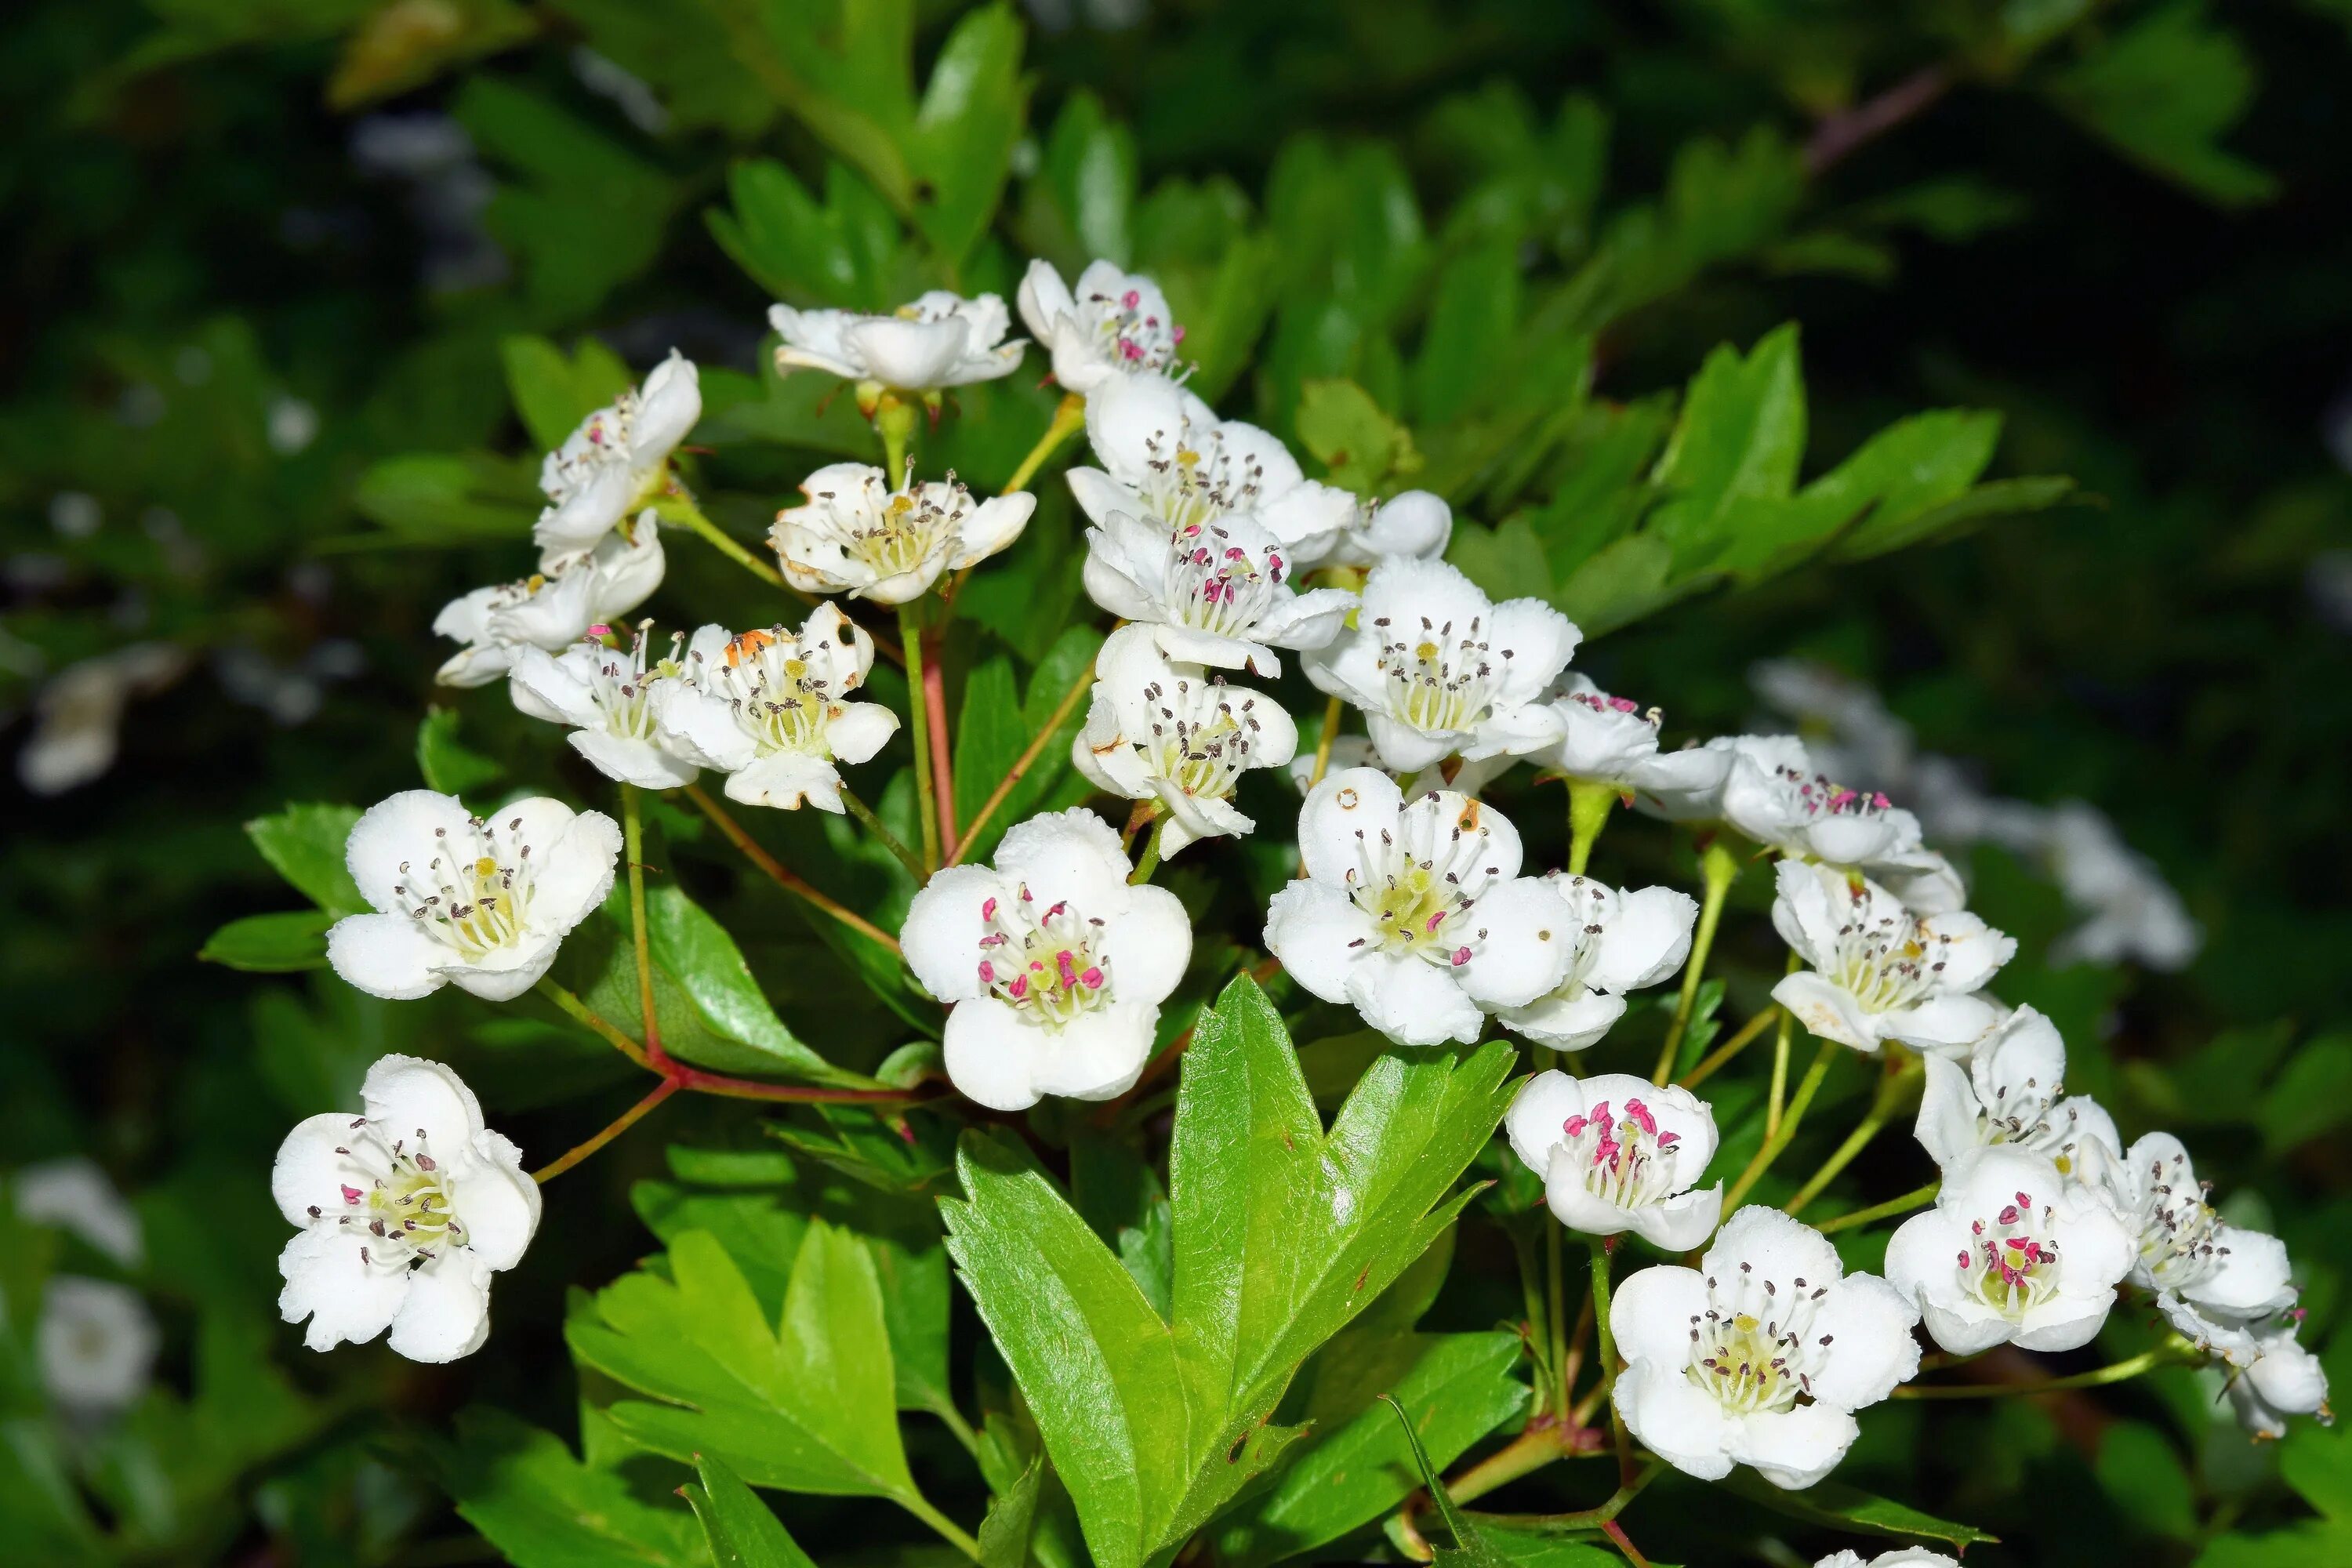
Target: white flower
[
  {"x": 1115, "y": 325},
  {"x": 615, "y": 462},
  {"x": 1760, "y": 1357},
  {"x": 1166, "y": 458},
  {"x": 1171, "y": 733},
  {"x": 2211, "y": 1277},
  {"x": 1775, "y": 795},
  {"x": 856, "y": 535},
  {"x": 1439, "y": 669},
  {"x": 1620, "y": 942},
  {"x": 97, "y": 1344},
  {"x": 2133, "y": 913},
  {"x": 607, "y": 696},
  {"x": 78, "y": 723},
  {"x": 73, "y": 1195},
  {"x": 1213, "y": 593},
  {"x": 2010, "y": 1091},
  {"x": 770, "y": 709},
  {"x": 1901, "y": 1557},
  {"x": 1865, "y": 742},
  {"x": 1056, "y": 966},
  {"x": 550, "y": 610},
  {"x": 1415, "y": 914},
  {"x": 2273, "y": 1377},
  {"x": 941, "y": 340},
  {"x": 1618, "y": 1153},
  {"x": 2012, "y": 1253},
  {"x": 482, "y": 902},
  {"x": 1346, "y": 752},
  {"x": 1879, "y": 972},
  {"x": 405, "y": 1212},
  {"x": 1413, "y": 524}
]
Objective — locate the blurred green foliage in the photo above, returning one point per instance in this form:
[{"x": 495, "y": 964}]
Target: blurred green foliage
[{"x": 297, "y": 292}]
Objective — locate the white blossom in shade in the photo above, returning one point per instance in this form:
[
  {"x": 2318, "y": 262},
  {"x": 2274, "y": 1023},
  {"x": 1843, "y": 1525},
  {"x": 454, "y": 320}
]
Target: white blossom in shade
[
  {"x": 771, "y": 710},
  {"x": 941, "y": 340},
  {"x": 2271, "y": 1378},
  {"x": 1619, "y": 1153},
  {"x": 1175, "y": 735},
  {"x": 1166, "y": 458},
  {"x": 607, "y": 697},
  {"x": 615, "y": 462},
  {"x": 1111, "y": 325},
  {"x": 1858, "y": 739},
  {"x": 2132, "y": 913},
  {"x": 1688, "y": 786},
  {"x": 1441, "y": 670},
  {"x": 1415, "y": 912},
  {"x": 1878, "y": 972},
  {"x": 1901, "y": 1557},
  {"x": 2012, "y": 1253},
  {"x": 550, "y": 611},
  {"x": 856, "y": 535},
  {"x": 78, "y": 716},
  {"x": 403, "y": 1213},
  {"x": 1216, "y": 593},
  {"x": 1412, "y": 523},
  {"x": 2011, "y": 1091},
  {"x": 1055, "y": 964},
  {"x": 2211, "y": 1277},
  {"x": 1620, "y": 942},
  {"x": 480, "y": 902},
  {"x": 1775, "y": 795},
  {"x": 1604, "y": 739},
  {"x": 73, "y": 1195},
  {"x": 96, "y": 1343},
  {"x": 1761, "y": 1355}
]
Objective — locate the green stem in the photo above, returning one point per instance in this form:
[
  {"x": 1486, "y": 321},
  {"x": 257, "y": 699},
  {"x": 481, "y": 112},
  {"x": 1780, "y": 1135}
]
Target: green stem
[
  {"x": 2174, "y": 1353},
  {"x": 1788, "y": 1125},
  {"x": 1730, "y": 1048},
  {"x": 1778, "y": 1097},
  {"x": 911, "y": 639},
  {"x": 782, "y": 877},
  {"x": 865, "y": 814},
  {"x": 681, "y": 509},
  {"x": 1070, "y": 418},
  {"x": 1150, "y": 861},
  {"x": 1584, "y": 1518},
  {"x": 1022, "y": 765},
  {"x": 946, "y": 1527},
  {"x": 1589, "y": 805},
  {"x": 620, "y": 1124},
  {"x": 1719, "y": 868},
  {"x": 1557, "y": 1397},
  {"x": 1605, "y": 1358},
  {"x": 633, "y": 840},
  {"x": 895, "y": 418},
  {"x": 1894, "y": 1089},
  {"x": 1916, "y": 1197},
  {"x": 584, "y": 1014},
  {"x": 944, "y": 1408},
  {"x": 1332, "y": 714}
]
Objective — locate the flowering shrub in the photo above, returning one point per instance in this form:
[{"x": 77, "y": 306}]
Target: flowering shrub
[{"x": 1070, "y": 819}]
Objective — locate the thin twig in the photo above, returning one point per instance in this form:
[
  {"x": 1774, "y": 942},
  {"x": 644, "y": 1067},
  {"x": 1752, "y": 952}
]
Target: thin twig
[
  {"x": 1729, "y": 1049},
  {"x": 626, "y": 1120},
  {"x": 1840, "y": 135},
  {"x": 1915, "y": 1198},
  {"x": 1022, "y": 765},
  {"x": 783, "y": 879}
]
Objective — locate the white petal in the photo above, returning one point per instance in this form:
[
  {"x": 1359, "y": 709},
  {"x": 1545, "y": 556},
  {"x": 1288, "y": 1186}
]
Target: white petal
[
  {"x": 1149, "y": 947},
  {"x": 1528, "y": 945},
  {"x": 343, "y": 1297},
  {"x": 1940, "y": 1023},
  {"x": 413, "y": 1096},
  {"x": 1410, "y": 1000},
  {"x": 1319, "y": 935},
  {"x": 1675, "y": 1419},
  {"x": 1099, "y": 495},
  {"x": 309, "y": 1171},
  {"x": 499, "y": 1204},
  {"x": 862, "y": 730},
  {"x": 1645, "y": 940},
  {"x": 575, "y": 870},
  {"x": 703, "y": 728},
  {"x": 1349, "y": 807},
  {"x": 446, "y": 1313},
  {"x": 1071, "y": 854},
  {"x": 1828, "y": 1010},
  {"x": 910, "y": 355},
  {"x": 1540, "y": 640},
  {"x": 386, "y": 955},
  {"x": 1651, "y": 1312},
  {"x": 1100, "y": 1055},
  {"x": 784, "y": 780},
  {"x": 1779, "y": 1248},
  {"x": 543, "y": 687},
  {"x": 1794, "y": 1449},
  {"x": 639, "y": 762},
  {"x": 1947, "y": 1125},
  {"x": 992, "y": 1054},
  {"x": 940, "y": 938},
  {"x": 997, "y": 522},
  {"x": 1683, "y": 1222},
  {"x": 2252, "y": 1278},
  {"x": 399, "y": 827},
  {"x": 1874, "y": 1351},
  {"x": 1534, "y": 1123},
  {"x": 2065, "y": 1322},
  {"x": 1572, "y": 1022},
  {"x": 1044, "y": 299}
]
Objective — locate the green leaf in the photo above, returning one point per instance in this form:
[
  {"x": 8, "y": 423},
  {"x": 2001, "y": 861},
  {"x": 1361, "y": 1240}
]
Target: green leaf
[
  {"x": 1456, "y": 1388},
  {"x": 553, "y": 393},
  {"x": 742, "y": 1531},
  {"x": 1620, "y": 585},
  {"x": 2141, "y": 1472},
  {"x": 2318, "y": 1463},
  {"x": 447, "y": 763},
  {"x": 1741, "y": 437},
  {"x": 542, "y": 1508},
  {"x": 430, "y": 499},
  {"x": 807, "y": 1405},
  {"x": 960, "y": 149},
  {"x": 847, "y": 252},
  {"x": 1012, "y": 1519},
  {"x": 1838, "y": 1506},
  {"x": 1361, "y": 447},
  {"x": 994, "y": 729},
  {"x": 276, "y": 943},
  {"x": 1081, "y": 204},
  {"x": 1507, "y": 561},
  {"x": 2163, "y": 91},
  {"x": 304, "y": 844},
  {"x": 1282, "y": 1235}
]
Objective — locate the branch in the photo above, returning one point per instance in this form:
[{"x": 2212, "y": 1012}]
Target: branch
[{"x": 1839, "y": 136}]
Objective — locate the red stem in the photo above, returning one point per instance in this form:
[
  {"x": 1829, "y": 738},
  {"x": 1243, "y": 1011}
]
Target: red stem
[{"x": 935, "y": 710}]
